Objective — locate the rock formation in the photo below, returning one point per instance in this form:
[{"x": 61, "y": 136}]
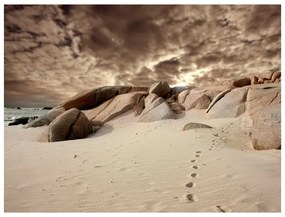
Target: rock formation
[
  {"x": 72, "y": 124},
  {"x": 114, "y": 107},
  {"x": 160, "y": 88},
  {"x": 259, "y": 97},
  {"x": 156, "y": 110},
  {"x": 266, "y": 129},
  {"x": 231, "y": 105},
  {"x": 46, "y": 119}
]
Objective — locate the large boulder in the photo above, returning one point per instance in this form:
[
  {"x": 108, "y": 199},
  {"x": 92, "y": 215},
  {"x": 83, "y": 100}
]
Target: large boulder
[
  {"x": 217, "y": 98},
  {"x": 266, "y": 129},
  {"x": 91, "y": 98},
  {"x": 260, "y": 96},
  {"x": 182, "y": 96},
  {"x": 157, "y": 110},
  {"x": 160, "y": 88},
  {"x": 242, "y": 82},
  {"x": 231, "y": 105},
  {"x": 114, "y": 107},
  {"x": 72, "y": 124},
  {"x": 47, "y": 118},
  {"x": 275, "y": 77},
  {"x": 196, "y": 101}
]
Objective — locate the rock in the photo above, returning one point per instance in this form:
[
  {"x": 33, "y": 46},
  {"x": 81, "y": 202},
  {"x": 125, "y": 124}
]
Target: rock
[
  {"x": 72, "y": 124},
  {"x": 231, "y": 105},
  {"x": 260, "y": 80},
  {"x": 176, "y": 107},
  {"x": 196, "y": 101},
  {"x": 254, "y": 80},
  {"x": 21, "y": 120},
  {"x": 217, "y": 98},
  {"x": 242, "y": 82},
  {"x": 114, "y": 107},
  {"x": 139, "y": 106},
  {"x": 157, "y": 110},
  {"x": 149, "y": 99},
  {"x": 266, "y": 129},
  {"x": 267, "y": 75},
  {"x": 160, "y": 88},
  {"x": 46, "y": 119},
  {"x": 46, "y": 108},
  {"x": 260, "y": 96},
  {"x": 193, "y": 125},
  {"x": 275, "y": 76},
  {"x": 182, "y": 96},
  {"x": 91, "y": 98}
]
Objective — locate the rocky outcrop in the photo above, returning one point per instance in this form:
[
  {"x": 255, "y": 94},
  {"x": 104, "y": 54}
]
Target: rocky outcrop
[
  {"x": 156, "y": 110},
  {"x": 260, "y": 96},
  {"x": 149, "y": 99},
  {"x": 22, "y": 120},
  {"x": 193, "y": 125},
  {"x": 231, "y": 105},
  {"x": 91, "y": 98},
  {"x": 176, "y": 107},
  {"x": 266, "y": 129},
  {"x": 46, "y": 119},
  {"x": 242, "y": 82},
  {"x": 114, "y": 107},
  {"x": 160, "y": 88},
  {"x": 217, "y": 98},
  {"x": 182, "y": 96},
  {"x": 72, "y": 124},
  {"x": 196, "y": 101}
]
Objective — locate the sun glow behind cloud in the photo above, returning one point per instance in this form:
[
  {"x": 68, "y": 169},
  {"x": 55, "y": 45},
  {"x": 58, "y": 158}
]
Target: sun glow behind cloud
[{"x": 189, "y": 77}]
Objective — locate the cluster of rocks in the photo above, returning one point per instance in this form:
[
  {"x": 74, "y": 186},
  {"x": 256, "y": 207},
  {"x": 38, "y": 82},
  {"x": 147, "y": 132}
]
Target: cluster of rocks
[{"x": 84, "y": 113}]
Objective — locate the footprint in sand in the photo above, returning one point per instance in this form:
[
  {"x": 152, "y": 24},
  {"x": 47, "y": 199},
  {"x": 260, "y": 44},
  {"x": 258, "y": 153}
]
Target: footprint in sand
[
  {"x": 195, "y": 167},
  {"x": 190, "y": 185},
  {"x": 193, "y": 161},
  {"x": 192, "y": 198},
  {"x": 197, "y": 155},
  {"x": 222, "y": 208},
  {"x": 194, "y": 175},
  {"x": 198, "y": 152}
]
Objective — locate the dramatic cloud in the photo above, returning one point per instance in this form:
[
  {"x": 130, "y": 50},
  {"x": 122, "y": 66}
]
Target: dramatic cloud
[{"x": 53, "y": 52}]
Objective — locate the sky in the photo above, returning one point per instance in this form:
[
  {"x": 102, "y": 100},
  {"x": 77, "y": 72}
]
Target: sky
[{"x": 53, "y": 52}]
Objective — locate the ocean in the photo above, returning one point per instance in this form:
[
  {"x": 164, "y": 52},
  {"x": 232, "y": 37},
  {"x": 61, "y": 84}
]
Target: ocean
[{"x": 11, "y": 113}]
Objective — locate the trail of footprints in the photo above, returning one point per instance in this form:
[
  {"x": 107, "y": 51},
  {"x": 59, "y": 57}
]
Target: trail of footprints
[{"x": 191, "y": 197}]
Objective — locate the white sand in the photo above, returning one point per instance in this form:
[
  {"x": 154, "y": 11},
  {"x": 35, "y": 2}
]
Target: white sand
[{"x": 130, "y": 166}]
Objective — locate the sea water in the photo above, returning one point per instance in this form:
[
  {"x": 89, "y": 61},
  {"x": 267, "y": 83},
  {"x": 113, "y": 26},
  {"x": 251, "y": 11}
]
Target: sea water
[{"x": 11, "y": 113}]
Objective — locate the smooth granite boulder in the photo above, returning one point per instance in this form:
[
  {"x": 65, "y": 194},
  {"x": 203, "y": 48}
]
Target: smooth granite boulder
[
  {"x": 266, "y": 128},
  {"x": 72, "y": 124},
  {"x": 160, "y": 88}
]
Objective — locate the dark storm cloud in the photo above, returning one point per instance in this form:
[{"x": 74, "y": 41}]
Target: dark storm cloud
[
  {"x": 14, "y": 94},
  {"x": 65, "y": 49}
]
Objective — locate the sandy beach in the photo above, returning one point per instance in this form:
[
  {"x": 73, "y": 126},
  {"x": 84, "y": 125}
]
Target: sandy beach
[{"x": 132, "y": 166}]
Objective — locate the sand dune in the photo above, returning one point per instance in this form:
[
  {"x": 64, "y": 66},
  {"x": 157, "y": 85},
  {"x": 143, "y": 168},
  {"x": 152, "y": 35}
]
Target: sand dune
[{"x": 134, "y": 166}]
